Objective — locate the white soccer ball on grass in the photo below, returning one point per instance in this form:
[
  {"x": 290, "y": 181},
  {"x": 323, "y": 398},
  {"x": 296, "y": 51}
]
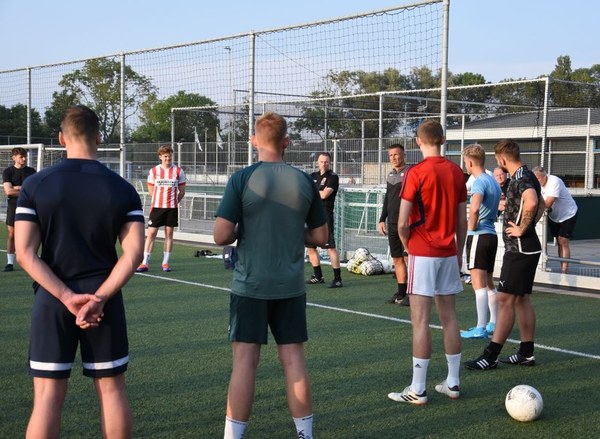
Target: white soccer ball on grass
[{"x": 524, "y": 403}]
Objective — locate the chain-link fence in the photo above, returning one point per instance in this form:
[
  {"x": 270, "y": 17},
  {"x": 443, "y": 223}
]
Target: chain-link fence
[{"x": 350, "y": 86}]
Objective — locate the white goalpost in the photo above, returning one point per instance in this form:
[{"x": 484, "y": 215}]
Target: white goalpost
[{"x": 35, "y": 155}]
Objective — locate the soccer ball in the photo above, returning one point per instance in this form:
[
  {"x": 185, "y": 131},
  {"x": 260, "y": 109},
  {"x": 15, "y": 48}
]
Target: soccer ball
[
  {"x": 361, "y": 254},
  {"x": 353, "y": 266},
  {"x": 371, "y": 267},
  {"x": 524, "y": 403},
  {"x": 387, "y": 267}
]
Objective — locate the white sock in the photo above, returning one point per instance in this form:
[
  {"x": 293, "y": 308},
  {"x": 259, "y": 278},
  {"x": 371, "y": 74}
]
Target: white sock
[
  {"x": 234, "y": 429},
  {"x": 481, "y": 303},
  {"x": 304, "y": 425},
  {"x": 10, "y": 258},
  {"x": 146, "y": 260},
  {"x": 492, "y": 304},
  {"x": 166, "y": 256},
  {"x": 453, "y": 378},
  {"x": 419, "y": 380}
]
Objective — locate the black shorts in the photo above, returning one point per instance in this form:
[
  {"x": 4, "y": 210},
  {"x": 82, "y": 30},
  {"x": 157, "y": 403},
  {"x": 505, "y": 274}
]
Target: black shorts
[
  {"x": 249, "y": 319},
  {"x": 55, "y": 336},
  {"x": 481, "y": 251},
  {"x": 564, "y": 229},
  {"x": 330, "y": 238},
  {"x": 396, "y": 247},
  {"x": 10, "y": 211},
  {"x": 163, "y": 217},
  {"x": 518, "y": 273}
]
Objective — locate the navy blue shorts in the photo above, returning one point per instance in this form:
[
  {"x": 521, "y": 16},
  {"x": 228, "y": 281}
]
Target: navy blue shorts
[{"x": 55, "y": 337}]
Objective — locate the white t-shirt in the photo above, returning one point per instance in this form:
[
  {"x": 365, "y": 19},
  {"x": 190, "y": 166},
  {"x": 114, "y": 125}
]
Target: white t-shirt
[{"x": 564, "y": 206}]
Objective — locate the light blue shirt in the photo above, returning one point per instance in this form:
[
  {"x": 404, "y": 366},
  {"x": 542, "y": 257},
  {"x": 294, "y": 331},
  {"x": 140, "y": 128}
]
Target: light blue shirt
[{"x": 490, "y": 190}]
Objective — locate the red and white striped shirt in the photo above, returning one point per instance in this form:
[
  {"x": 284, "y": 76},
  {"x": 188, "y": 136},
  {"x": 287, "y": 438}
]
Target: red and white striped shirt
[{"x": 166, "y": 183}]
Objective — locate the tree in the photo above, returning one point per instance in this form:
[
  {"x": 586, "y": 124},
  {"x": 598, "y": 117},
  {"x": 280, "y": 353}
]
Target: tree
[
  {"x": 344, "y": 111},
  {"x": 575, "y": 95},
  {"x": 156, "y": 118},
  {"x": 467, "y": 101},
  {"x": 98, "y": 85},
  {"x": 13, "y": 125},
  {"x": 61, "y": 101}
]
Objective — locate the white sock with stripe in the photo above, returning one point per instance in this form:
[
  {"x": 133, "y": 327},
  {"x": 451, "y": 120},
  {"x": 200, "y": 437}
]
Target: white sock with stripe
[
  {"x": 419, "y": 381},
  {"x": 304, "y": 425}
]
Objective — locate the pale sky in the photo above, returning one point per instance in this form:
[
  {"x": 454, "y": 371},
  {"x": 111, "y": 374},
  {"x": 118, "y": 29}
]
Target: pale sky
[{"x": 499, "y": 39}]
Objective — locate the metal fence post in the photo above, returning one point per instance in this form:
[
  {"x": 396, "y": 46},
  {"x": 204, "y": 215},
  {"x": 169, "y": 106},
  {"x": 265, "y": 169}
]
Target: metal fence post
[
  {"x": 122, "y": 154},
  {"x": 251, "y": 81}
]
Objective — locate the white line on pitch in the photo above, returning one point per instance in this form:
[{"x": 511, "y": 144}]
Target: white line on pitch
[{"x": 375, "y": 316}]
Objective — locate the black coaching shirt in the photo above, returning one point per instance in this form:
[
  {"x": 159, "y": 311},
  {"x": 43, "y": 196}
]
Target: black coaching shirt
[
  {"x": 328, "y": 179},
  {"x": 391, "y": 202},
  {"x": 81, "y": 207},
  {"x": 529, "y": 243},
  {"x": 16, "y": 177}
]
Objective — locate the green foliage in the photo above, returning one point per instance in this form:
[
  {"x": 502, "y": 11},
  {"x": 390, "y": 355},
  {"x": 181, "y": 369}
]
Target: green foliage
[
  {"x": 343, "y": 113},
  {"x": 61, "y": 101},
  {"x": 155, "y": 118},
  {"x": 98, "y": 85},
  {"x": 575, "y": 95},
  {"x": 13, "y": 125}
]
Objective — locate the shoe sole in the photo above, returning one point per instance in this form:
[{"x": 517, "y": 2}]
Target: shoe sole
[
  {"x": 478, "y": 337},
  {"x": 453, "y": 397},
  {"x": 523, "y": 363},
  {"x": 407, "y": 401},
  {"x": 476, "y": 367}
]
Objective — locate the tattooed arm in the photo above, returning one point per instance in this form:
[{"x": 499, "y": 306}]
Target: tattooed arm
[{"x": 530, "y": 215}]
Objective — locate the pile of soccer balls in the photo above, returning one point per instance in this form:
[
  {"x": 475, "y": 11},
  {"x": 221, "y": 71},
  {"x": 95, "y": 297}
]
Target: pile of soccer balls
[{"x": 363, "y": 262}]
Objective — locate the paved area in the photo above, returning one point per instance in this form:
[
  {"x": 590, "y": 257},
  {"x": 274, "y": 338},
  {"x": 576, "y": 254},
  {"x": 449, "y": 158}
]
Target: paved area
[{"x": 584, "y": 251}]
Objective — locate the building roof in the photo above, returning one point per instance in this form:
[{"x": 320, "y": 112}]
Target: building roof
[{"x": 572, "y": 122}]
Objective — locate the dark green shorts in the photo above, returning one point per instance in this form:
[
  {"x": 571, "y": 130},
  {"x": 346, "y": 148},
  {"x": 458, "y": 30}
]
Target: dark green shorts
[{"x": 249, "y": 320}]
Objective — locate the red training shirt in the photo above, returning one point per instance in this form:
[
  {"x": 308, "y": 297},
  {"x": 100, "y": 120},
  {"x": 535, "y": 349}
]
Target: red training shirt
[{"x": 435, "y": 187}]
